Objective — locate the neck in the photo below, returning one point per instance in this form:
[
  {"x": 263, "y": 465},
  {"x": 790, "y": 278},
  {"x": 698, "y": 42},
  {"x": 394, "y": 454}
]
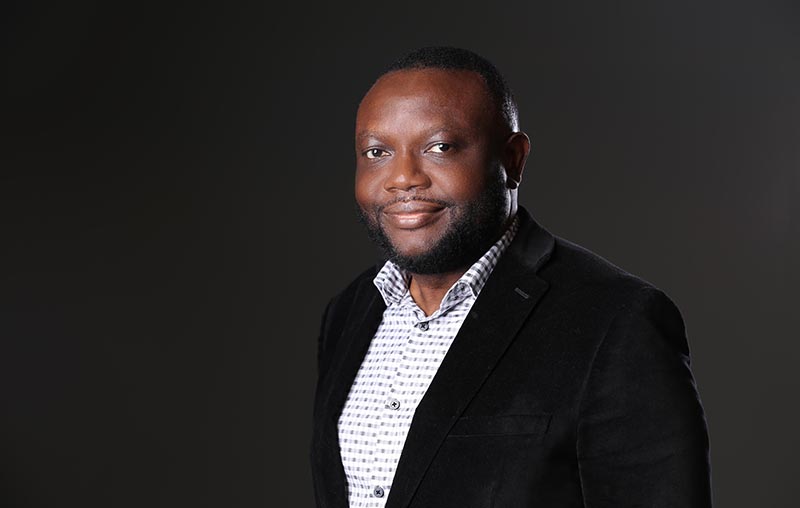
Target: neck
[{"x": 428, "y": 290}]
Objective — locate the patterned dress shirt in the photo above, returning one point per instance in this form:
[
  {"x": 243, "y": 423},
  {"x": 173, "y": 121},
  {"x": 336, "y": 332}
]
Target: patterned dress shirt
[{"x": 400, "y": 364}]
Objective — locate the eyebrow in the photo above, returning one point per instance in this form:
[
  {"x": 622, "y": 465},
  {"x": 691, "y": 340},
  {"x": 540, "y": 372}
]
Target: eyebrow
[
  {"x": 365, "y": 134},
  {"x": 430, "y": 133}
]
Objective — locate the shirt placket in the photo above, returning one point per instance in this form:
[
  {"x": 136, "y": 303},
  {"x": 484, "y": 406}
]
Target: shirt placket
[{"x": 388, "y": 404}]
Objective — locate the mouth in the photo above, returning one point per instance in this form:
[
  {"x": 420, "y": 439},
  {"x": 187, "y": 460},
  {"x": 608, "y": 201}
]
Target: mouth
[{"x": 412, "y": 214}]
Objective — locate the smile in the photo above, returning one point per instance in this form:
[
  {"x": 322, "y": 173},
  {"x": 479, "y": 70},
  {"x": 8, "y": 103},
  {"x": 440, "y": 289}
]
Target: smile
[{"x": 412, "y": 214}]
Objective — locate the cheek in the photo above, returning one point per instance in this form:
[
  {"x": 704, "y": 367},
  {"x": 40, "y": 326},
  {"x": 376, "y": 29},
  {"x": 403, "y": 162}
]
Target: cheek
[
  {"x": 462, "y": 184},
  {"x": 365, "y": 189}
]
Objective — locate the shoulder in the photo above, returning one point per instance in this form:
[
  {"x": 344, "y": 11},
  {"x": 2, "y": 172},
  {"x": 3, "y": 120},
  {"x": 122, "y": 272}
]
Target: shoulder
[
  {"x": 361, "y": 286},
  {"x": 578, "y": 273},
  {"x": 575, "y": 276},
  {"x": 587, "y": 292},
  {"x": 353, "y": 298}
]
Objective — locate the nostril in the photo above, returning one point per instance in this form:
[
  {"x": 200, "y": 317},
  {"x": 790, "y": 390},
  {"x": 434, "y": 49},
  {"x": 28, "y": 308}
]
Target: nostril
[{"x": 406, "y": 174}]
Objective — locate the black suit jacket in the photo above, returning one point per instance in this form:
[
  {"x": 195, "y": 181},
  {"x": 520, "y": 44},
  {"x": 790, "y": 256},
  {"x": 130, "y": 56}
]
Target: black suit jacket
[{"x": 568, "y": 385}]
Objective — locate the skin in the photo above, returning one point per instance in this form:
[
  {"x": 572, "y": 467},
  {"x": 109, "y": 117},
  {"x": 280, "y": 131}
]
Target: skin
[{"x": 429, "y": 142}]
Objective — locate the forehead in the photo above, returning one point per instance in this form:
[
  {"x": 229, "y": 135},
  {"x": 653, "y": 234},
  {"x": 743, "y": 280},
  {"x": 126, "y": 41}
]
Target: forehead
[{"x": 454, "y": 96}]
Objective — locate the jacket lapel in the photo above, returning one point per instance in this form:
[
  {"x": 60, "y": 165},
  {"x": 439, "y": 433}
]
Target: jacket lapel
[
  {"x": 356, "y": 336},
  {"x": 363, "y": 320},
  {"x": 508, "y": 297}
]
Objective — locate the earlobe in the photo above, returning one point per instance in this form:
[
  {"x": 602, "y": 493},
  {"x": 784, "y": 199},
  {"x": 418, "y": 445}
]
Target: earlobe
[{"x": 518, "y": 146}]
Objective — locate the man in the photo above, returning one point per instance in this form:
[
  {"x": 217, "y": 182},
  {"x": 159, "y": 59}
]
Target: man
[{"x": 488, "y": 363}]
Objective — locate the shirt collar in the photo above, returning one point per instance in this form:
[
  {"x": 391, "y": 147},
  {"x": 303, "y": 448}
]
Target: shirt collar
[{"x": 392, "y": 281}]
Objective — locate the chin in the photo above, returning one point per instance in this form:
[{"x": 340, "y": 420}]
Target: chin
[{"x": 419, "y": 247}]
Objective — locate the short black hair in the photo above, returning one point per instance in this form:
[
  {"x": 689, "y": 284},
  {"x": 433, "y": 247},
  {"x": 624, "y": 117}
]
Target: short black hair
[{"x": 445, "y": 57}]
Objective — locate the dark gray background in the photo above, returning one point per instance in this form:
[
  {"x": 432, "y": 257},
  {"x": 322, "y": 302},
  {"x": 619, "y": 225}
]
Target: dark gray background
[{"x": 176, "y": 210}]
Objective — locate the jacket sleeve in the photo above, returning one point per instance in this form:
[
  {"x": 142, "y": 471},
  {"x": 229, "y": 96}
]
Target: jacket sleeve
[{"x": 642, "y": 436}]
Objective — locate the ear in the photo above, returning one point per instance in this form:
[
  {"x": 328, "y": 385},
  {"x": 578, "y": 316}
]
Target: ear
[{"x": 515, "y": 153}]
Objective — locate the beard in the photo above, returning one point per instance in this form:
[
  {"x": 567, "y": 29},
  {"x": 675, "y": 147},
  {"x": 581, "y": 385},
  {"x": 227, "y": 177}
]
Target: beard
[{"x": 473, "y": 228}]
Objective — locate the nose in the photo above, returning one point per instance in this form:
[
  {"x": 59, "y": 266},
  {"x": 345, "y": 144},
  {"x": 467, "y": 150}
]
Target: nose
[{"x": 406, "y": 173}]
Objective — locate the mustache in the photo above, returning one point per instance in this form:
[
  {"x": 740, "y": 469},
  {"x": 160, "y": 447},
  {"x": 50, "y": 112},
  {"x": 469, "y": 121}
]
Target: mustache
[{"x": 408, "y": 199}]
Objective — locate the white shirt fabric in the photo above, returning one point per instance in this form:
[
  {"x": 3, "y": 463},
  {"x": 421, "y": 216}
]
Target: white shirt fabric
[{"x": 402, "y": 359}]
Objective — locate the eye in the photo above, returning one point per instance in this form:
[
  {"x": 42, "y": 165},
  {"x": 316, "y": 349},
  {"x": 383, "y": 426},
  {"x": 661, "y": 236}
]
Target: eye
[
  {"x": 440, "y": 147},
  {"x": 375, "y": 153}
]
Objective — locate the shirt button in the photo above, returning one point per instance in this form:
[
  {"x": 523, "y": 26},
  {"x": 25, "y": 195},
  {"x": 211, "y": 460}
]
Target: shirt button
[
  {"x": 423, "y": 326},
  {"x": 394, "y": 404},
  {"x": 377, "y": 492}
]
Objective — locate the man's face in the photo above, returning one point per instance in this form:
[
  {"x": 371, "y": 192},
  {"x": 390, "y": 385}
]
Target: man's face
[{"x": 430, "y": 183}]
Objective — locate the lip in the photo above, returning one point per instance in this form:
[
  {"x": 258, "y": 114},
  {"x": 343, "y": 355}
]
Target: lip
[{"x": 412, "y": 214}]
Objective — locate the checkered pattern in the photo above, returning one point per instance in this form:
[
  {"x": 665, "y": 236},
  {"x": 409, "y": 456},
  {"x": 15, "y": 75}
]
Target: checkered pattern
[{"x": 402, "y": 360}]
